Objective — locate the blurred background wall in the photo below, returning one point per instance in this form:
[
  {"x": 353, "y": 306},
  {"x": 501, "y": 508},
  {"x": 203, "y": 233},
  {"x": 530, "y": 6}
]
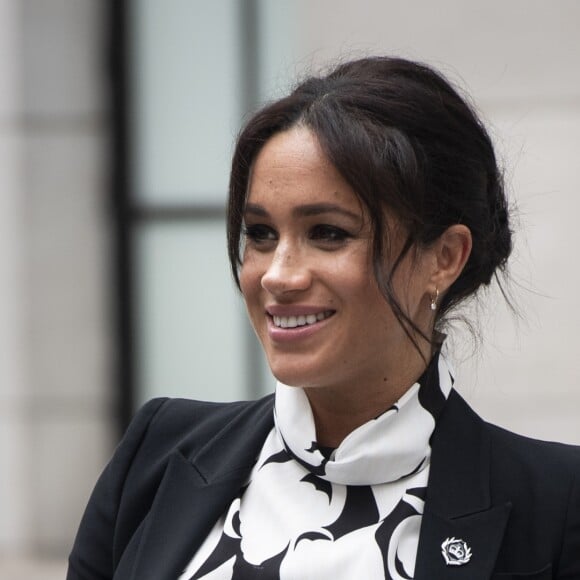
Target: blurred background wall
[
  {"x": 116, "y": 125},
  {"x": 56, "y": 339}
]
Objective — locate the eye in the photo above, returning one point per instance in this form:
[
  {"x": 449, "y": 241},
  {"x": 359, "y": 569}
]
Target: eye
[
  {"x": 328, "y": 233},
  {"x": 259, "y": 234}
]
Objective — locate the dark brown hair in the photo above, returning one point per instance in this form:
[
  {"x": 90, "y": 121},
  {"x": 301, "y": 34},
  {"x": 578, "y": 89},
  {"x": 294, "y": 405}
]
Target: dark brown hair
[{"x": 406, "y": 142}]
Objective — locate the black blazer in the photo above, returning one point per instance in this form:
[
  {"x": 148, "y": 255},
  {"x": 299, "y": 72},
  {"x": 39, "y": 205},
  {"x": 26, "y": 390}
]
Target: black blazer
[{"x": 515, "y": 501}]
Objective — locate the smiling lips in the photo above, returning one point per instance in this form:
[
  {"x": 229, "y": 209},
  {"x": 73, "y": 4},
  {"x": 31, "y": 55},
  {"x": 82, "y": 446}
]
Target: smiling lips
[{"x": 300, "y": 320}]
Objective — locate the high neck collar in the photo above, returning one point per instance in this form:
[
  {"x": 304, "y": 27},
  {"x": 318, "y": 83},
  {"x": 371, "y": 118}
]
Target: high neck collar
[{"x": 385, "y": 449}]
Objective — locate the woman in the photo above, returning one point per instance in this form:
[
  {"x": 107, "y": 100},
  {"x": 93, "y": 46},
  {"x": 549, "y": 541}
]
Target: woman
[{"x": 363, "y": 207}]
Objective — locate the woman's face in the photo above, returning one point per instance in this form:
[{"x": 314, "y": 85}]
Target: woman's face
[{"x": 307, "y": 276}]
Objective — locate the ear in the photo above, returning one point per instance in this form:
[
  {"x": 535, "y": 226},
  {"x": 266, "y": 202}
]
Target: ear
[{"x": 451, "y": 252}]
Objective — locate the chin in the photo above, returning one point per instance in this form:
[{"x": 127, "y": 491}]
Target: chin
[
  {"x": 305, "y": 367},
  {"x": 292, "y": 379},
  {"x": 295, "y": 375}
]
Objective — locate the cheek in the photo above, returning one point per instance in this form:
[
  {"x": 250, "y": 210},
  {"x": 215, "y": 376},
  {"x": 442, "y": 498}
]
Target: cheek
[
  {"x": 245, "y": 285},
  {"x": 358, "y": 282},
  {"x": 250, "y": 281}
]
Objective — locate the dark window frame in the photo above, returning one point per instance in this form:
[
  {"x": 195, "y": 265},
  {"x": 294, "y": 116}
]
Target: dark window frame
[{"x": 127, "y": 213}]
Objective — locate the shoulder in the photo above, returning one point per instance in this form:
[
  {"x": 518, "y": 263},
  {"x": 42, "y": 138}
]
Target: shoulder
[
  {"x": 530, "y": 450},
  {"x": 541, "y": 481},
  {"x": 511, "y": 451},
  {"x": 544, "y": 471},
  {"x": 169, "y": 423},
  {"x": 127, "y": 487},
  {"x": 527, "y": 469}
]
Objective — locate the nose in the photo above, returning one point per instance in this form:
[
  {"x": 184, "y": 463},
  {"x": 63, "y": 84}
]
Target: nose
[{"x": 287, "y": 272}]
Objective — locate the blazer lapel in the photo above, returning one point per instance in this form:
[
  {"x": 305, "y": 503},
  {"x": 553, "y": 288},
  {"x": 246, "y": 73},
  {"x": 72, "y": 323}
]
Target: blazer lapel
[
  {"x": 192, "y": 496},
  {"x": 458, "y": 504}
]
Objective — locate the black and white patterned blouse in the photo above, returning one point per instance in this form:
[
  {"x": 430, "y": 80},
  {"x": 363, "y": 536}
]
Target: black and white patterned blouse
[{"x": 352, "y": 513}]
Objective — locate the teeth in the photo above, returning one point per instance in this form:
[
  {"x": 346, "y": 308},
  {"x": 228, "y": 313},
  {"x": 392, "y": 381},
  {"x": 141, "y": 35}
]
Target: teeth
[{"x": 295, "y": 321}]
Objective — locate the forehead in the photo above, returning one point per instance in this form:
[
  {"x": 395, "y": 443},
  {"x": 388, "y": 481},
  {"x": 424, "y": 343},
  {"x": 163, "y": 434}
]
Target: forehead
[
  {"x": 292, "y": 166},
  {"x": 297, "y": 146}
]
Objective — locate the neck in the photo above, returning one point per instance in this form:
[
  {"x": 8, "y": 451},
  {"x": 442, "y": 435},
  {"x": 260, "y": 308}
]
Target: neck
[{"x": 339, "y": 410}]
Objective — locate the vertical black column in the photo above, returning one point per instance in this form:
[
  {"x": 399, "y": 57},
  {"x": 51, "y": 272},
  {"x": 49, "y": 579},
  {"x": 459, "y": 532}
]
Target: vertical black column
[
  {"x": 122, "y": 280},
  {"x": 250, "y": 95}
]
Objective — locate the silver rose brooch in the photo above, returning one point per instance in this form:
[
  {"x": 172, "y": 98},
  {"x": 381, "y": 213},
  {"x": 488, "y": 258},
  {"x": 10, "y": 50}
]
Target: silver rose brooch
[{"x": 456, "y": 552}]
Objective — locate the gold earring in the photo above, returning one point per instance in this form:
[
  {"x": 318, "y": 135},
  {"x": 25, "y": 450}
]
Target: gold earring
[{"x": 434, "y": 299}]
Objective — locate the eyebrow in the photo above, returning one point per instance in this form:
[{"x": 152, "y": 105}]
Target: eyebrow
[{"x": 307, "y": 210}]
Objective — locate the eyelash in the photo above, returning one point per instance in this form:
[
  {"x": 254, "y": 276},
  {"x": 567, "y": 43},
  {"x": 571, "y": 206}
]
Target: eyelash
[
  {"x": 328, "y": 233},
  {"x": 260, "y": 234}
]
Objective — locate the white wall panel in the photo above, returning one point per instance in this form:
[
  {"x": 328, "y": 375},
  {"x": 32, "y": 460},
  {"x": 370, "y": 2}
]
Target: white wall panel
[
  {"x": 190, "y": 325},
  {"x": 187, "y": 98},
  {"x": 529, "y": 376},
  {"x": 14, "y": 492},
  {"x": 54, "y": 332},
  {"x": 521, "y": 47}
]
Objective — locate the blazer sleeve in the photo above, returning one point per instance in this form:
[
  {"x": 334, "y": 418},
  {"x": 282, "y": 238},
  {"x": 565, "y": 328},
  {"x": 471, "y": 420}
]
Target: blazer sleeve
[
  {"x": 92, "y": 556},
  {"x": 569, "y": 562}
]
